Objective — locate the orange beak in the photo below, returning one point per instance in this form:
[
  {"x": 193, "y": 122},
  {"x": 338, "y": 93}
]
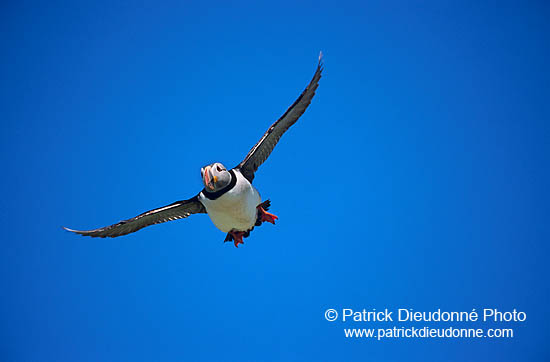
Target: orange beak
[{"x": 206, "y": 178}]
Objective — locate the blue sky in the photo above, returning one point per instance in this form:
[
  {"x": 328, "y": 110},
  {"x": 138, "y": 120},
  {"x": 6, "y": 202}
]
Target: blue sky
[{"x": 418, "y": 178}]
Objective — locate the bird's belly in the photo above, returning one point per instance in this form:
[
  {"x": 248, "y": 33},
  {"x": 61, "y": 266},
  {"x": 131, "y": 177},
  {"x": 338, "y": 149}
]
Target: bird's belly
[{"x": 234, "y": 210}]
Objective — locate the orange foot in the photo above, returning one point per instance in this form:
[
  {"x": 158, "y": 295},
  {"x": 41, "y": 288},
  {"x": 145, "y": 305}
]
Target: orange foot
[
  {"x": 266, "y": 216},
  {"x": 237, "y": 237}
]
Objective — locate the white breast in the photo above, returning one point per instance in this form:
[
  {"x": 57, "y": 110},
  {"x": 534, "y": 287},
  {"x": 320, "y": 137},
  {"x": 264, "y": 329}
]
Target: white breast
[{"x": 236, "y": 209}]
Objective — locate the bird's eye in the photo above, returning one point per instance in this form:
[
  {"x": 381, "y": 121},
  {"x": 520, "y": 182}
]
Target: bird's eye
[{"x": 219, "y": 168}]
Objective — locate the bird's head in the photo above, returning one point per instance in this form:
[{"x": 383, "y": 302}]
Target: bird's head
[{"x": 215, "y": 177}]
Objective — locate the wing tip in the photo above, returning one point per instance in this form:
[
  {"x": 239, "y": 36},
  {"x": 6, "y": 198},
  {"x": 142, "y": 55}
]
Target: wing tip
[
  {"x": 79, "y": 232},
  {"x": 320, "y": 67},
  {"x": 67, "y": 229}
]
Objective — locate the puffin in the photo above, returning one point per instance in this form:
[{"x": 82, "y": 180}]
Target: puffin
[{"x": 231, "y": 201}]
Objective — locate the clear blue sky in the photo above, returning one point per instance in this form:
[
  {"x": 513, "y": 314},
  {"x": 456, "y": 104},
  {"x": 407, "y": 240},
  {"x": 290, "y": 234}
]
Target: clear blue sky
[{"x": 418, "y": 178}]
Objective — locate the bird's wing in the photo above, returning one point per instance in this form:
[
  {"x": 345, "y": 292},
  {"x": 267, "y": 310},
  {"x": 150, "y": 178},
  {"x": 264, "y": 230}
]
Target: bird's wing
[
  {"x": 261, "y": 150},
  {"x": 174, "y": 211}
]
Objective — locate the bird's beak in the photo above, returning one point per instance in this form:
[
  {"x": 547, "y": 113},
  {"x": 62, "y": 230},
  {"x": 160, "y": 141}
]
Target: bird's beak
[{"x": 206, "y": 178}]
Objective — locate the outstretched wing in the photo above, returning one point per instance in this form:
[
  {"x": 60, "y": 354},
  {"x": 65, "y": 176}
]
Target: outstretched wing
[
  {"x": 174, "y": 211},
  {"x": 261, "y": 151}
]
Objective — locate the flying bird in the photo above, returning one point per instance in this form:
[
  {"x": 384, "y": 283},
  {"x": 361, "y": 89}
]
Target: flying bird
[{"x": 229, "y": 198}]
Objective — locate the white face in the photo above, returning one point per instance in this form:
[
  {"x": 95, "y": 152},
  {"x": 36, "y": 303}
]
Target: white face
[{"x": 215, "y": 176}]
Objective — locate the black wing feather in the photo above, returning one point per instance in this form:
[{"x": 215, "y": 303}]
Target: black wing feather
[
  {"x": 174, "y": 211},
  {"x": 261, "y": 150}
]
